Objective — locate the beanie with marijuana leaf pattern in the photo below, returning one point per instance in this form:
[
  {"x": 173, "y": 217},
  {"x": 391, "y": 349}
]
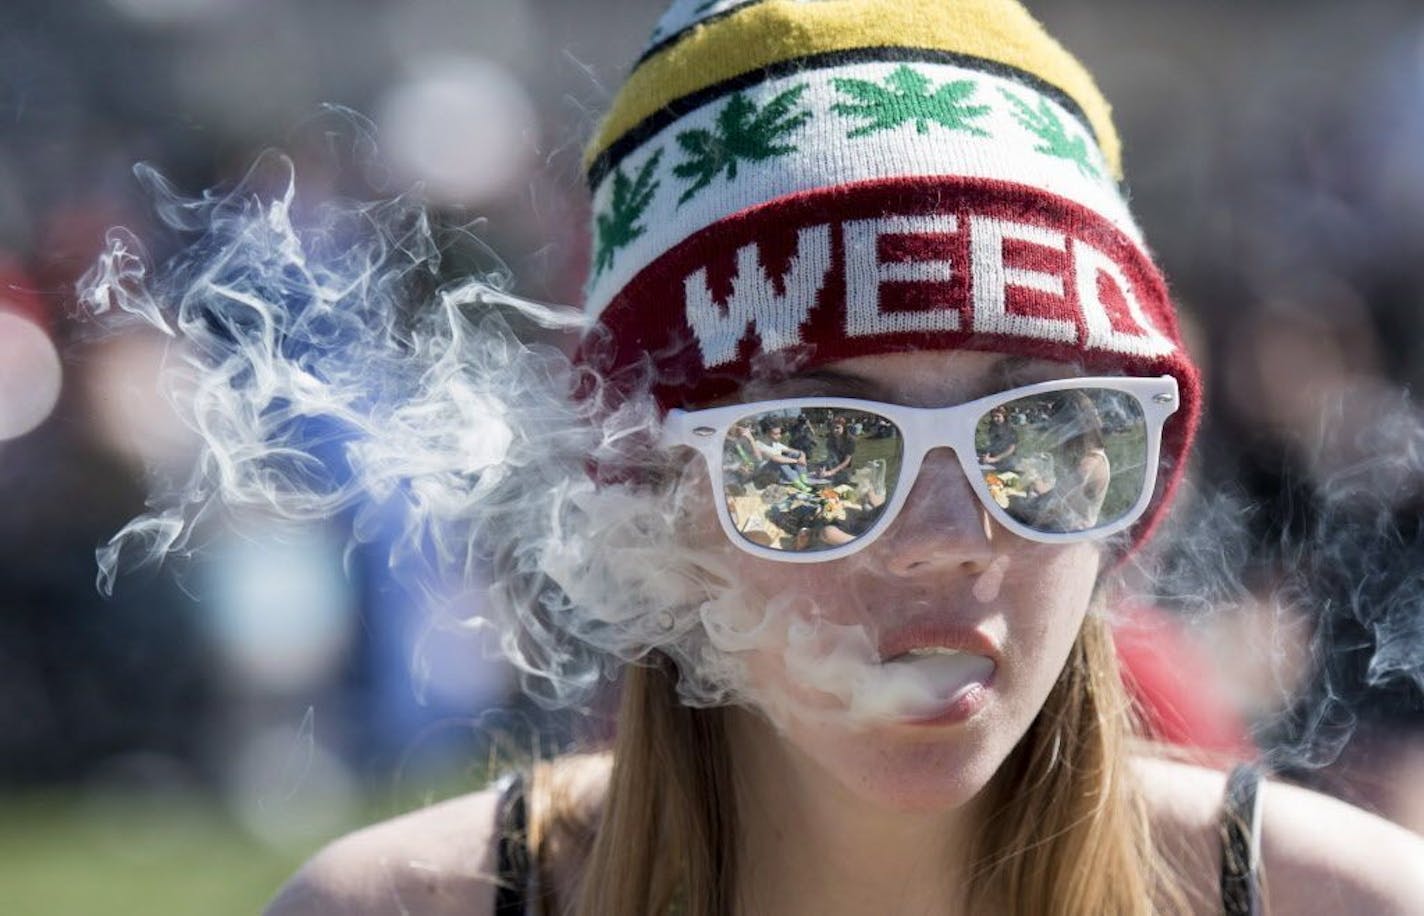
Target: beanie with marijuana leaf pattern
[{"x": 811, "y": 180}]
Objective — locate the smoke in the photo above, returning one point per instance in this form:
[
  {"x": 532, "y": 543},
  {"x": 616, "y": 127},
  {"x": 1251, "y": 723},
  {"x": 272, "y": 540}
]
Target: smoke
[
  {"x": 330, "y": 372},
  {"x": 1331, "y": 573},
  {"x": 1353, "y": 555}
]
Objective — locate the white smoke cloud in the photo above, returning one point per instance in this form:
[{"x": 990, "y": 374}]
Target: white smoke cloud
[{"x": 328, "y": 373}]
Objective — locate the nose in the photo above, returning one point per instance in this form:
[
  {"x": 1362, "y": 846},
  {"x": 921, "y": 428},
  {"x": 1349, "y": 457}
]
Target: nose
[{"x": 942, "y": 526}]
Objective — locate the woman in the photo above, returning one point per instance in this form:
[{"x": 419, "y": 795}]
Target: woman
[
  {"x": 1086, "y": 459},
  {"x": 1066, "y": 485},
  {"x": 840, "y": 454},
  {"x": 1000, "y": 441},
  {"x": 908, "y": 208}
]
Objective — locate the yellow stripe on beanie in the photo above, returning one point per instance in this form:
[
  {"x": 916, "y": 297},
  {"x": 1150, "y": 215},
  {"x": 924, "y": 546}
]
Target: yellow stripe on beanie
[{"x": 765, "y": 34}]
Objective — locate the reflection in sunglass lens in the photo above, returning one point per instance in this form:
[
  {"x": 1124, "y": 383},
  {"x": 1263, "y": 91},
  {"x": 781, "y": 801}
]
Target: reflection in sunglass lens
[
  {"x": 812, "y": 478},
  {"x": 1065, "y": 460}
]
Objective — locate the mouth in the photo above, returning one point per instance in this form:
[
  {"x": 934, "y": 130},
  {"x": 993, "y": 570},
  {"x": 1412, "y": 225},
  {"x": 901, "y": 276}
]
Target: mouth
[{"x": 953, "y": 667}]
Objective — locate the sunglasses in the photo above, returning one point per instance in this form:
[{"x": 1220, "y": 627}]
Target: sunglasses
[{"x": 1056, "y": 462}]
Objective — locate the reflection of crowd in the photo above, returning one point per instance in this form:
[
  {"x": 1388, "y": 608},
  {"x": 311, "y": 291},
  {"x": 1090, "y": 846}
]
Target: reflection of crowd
[
  {"x": 826, "y": 503},
  {"x": 1061, "y": 489},
  {"x": 806, "y": 490}
]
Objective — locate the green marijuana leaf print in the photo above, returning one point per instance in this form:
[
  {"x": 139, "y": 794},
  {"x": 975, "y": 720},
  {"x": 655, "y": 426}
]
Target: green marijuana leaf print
[
  {"x": 1043, "y": 122},
  {"x": 619, "y": 227},
  {"x": 908, "y": 98},
  {"x": 742, "y": 133}
]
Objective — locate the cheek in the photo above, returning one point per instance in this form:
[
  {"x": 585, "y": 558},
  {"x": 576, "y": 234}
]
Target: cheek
[
  {"x": 1059, "y": 582},
  {"x": 760, "y": 604},
  {"x": 698, "y": 525},
  {"x": 759, "y": 582},
  {"x": 1044, "y": 610}
]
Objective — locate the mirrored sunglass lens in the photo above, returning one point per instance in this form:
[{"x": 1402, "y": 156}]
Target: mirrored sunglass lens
[
  {"x": 1065, "y": 461},
  {"x": 812, "y": 478}
]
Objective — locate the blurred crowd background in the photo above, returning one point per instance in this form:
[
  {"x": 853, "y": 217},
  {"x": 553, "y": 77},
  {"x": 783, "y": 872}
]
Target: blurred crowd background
[{"x": 180, "y": 746}]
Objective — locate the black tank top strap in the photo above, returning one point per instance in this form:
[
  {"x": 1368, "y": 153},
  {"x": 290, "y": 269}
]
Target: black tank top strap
[
  {"x": 515, "y": 869},
  {"x": 1241, "y": 842}
]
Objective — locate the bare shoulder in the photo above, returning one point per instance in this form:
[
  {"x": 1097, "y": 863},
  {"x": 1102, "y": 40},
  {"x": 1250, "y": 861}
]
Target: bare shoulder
[
  {"x": 1323, "y": 855},
  {"x": 1318, "y": 854},
  {"x": 1184, "y": 805},
  {"x": 430, "y": 862},
  {"x": 443, "y": 859}
]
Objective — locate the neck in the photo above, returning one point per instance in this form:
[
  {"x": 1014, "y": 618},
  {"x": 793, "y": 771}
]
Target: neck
[{"x": 810, "y": 844}]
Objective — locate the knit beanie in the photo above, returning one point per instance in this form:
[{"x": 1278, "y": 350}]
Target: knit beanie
[{"x": 812, "y": 180}]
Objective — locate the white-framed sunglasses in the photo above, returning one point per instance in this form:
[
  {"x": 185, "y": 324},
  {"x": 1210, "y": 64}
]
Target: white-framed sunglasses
[{"x": 807, "y": 480}]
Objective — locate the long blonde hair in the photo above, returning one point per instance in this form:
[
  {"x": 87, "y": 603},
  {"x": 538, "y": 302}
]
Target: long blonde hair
[{"x": 1068, "y": 830}]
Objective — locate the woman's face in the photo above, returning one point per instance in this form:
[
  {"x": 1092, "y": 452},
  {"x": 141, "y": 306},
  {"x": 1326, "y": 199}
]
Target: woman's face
[{"x": 942, "y": 576}]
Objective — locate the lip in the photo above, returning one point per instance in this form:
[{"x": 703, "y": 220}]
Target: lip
[
  {"x": 929, "y": 635},
  {"x": 960, "y": 709}
]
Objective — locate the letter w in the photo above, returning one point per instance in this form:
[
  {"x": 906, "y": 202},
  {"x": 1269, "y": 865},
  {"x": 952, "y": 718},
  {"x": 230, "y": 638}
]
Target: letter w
[{"x": 778, "y": 318}]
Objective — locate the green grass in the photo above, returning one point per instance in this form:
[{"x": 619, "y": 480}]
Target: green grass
[
  {"x": 61, "y": 855},
  {"x": 867, "y": 450}
]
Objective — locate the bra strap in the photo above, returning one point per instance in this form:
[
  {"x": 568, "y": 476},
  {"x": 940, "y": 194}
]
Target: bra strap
[
  {"x": 514, "y": 868},
  {"x": 1241, "y": 842}
]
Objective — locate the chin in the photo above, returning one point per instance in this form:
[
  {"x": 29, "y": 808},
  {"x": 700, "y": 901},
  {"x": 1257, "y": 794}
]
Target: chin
[{"x": 915, "y": 773}]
